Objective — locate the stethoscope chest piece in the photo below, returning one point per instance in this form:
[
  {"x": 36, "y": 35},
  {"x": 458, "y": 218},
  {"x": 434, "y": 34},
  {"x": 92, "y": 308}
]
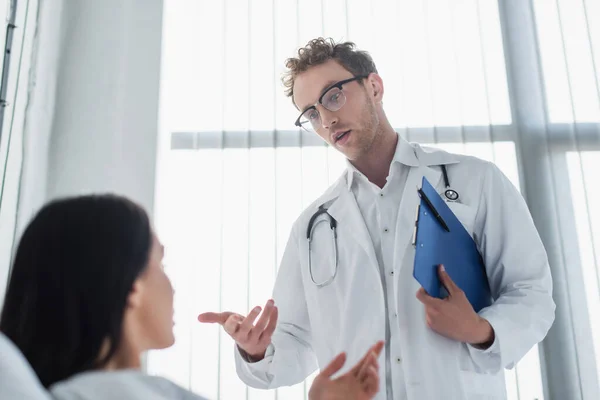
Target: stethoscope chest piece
[{"x": 451, "y": 195}]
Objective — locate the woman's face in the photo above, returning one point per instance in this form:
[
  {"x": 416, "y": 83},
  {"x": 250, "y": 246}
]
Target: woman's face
[{"x": 151, "y": 303}]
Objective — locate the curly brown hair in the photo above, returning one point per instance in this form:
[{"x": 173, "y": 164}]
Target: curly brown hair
[{"x": 320, "y": 50}]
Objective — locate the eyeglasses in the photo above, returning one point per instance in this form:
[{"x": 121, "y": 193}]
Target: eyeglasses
[{"x": 333, "y": 98}]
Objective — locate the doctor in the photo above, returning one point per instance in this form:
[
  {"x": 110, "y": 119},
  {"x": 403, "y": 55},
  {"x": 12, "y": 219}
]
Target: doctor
[{"x": 354, "y": 285}]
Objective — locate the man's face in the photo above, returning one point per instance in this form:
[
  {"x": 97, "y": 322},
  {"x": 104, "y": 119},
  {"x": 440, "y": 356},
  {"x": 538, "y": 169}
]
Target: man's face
[{"x": 353, "y": 128}]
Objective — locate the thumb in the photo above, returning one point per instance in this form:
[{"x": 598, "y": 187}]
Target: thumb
[
  {"x": 447, "y": 281},
  {"x": 334, "y": 366},
  {"x": 212, "y": 317},
  {"x": 377, "y": 347}
]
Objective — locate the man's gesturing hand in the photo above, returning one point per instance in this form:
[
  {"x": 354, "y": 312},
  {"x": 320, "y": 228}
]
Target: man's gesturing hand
[{"x": 250, "y": 337}]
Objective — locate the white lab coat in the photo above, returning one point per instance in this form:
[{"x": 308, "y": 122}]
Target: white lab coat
[{"x": 348, "y": 315}]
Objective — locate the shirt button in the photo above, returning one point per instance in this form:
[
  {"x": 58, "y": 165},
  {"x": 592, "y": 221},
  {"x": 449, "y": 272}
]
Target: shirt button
[
  {"x": 396, "y": 314},
  {"x": 399, "y": 360},
  {"x": 380, "y": 194},
  {"x": 386, "y": 230},
  {"x": 392, "y": 273}
]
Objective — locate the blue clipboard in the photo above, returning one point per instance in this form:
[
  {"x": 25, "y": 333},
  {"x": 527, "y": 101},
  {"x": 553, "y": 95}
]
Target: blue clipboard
[{"x": 440, "y": 238}]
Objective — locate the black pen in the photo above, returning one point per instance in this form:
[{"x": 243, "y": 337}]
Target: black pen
[{"x": 436, "y": 214}]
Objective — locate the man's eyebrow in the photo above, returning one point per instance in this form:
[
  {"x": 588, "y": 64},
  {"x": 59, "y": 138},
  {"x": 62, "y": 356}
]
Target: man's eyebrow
[{"x": 326, "y": 87}]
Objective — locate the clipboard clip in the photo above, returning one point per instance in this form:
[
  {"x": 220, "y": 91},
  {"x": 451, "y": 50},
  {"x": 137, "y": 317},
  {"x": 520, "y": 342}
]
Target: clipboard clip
[{"x": 435, "y": 212}]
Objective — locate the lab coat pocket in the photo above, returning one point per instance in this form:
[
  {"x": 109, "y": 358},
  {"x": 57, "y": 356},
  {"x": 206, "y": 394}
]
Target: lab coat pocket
[
  {"x": 465, "y": 214},
  {"x": 481, "y": 386}
]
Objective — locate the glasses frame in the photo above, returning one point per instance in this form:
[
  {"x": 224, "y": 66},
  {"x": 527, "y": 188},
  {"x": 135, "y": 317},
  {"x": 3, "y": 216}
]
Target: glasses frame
[{"x": 320, "y": 101}]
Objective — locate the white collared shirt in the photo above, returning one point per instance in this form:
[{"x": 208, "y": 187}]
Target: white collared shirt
[{"x": 379, "y": 208}]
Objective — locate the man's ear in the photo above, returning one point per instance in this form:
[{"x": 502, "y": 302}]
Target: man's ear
[{"x": 376, "y": 85}]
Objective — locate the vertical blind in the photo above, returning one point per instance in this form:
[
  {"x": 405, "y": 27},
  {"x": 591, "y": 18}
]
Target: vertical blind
[{"x": 234, "y": 173}]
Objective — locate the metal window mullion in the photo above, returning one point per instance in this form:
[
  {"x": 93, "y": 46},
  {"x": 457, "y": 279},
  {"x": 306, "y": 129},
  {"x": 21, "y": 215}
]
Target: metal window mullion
[
  {"x": 575, "y": 131},
  {"x": 563, "y": 376},
  {"x": 10, "y": 27},
  {"x": 222, "y": 195}
]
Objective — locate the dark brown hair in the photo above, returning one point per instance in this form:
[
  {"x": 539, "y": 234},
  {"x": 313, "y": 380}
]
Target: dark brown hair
[{"x": 320, "y": 50}]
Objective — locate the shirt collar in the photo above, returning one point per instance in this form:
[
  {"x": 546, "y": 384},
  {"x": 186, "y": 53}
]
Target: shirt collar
[{"x": 404, "y": 154}]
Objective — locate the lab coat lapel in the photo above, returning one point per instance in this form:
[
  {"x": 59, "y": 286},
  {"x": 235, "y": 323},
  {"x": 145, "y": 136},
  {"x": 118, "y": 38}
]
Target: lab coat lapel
[
  {"x": 346, "y": 212},
  {"x": 408, "y": 204}
]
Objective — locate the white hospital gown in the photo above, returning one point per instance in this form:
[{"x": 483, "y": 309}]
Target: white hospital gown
[{"x": 127, "y": 384}]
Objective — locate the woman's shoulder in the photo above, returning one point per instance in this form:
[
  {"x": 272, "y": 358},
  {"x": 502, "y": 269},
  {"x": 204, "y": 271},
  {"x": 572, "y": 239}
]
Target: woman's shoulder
[{"x": 127, "y": 384}]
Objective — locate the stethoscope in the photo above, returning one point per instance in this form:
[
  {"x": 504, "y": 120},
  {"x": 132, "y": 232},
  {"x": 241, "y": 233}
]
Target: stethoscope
[
  {"x": 449, "y": 193},
  {"x": 311, "y": 226}
]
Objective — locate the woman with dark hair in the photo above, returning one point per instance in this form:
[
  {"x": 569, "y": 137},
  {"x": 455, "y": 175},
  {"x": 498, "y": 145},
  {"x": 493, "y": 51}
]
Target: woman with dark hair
[
  {"x": 87, "y": 290},
  {"x": 88, "y": 294}
]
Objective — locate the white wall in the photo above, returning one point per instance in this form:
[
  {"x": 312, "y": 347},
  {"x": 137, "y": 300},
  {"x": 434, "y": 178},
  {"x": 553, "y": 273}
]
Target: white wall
[
  {"x": 92, "y": 110},
  {"x": 97, "y": 107},
  {"x": 105, "y": 131},
  {"x": 40, "y": 109}
]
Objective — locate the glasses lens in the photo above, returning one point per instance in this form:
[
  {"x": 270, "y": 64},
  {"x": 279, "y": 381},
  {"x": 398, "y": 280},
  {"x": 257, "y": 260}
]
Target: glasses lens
[
  {"x": 310, "y": 120},
  {"x": 334, "y": 99}
]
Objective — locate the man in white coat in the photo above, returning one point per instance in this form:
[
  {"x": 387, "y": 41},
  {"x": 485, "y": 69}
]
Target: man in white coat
[{"x": 345, "y": 300}]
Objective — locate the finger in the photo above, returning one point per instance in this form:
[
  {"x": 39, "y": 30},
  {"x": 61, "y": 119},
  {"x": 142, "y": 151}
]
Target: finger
[
  {"x": 262, "y": 322},
  {"x": 248, "y": 322},
  {"x": 371, "y": 383},
  {"x": 372, "y": 356},
  {"x": 370, "y": 373},
  {"x": 268, "y": 332},
  {"x": 448, "y": 283},
  {"x": 425, "y": 298},
  {"x": 377, "y": 347},
  {"x": 232, "y": 325},
  {"x": 375, "y": 350},
  {"x": 334, "y": 366},
  {"x": 212, "y": 317},
  {"x": 368, "y": 363}
]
